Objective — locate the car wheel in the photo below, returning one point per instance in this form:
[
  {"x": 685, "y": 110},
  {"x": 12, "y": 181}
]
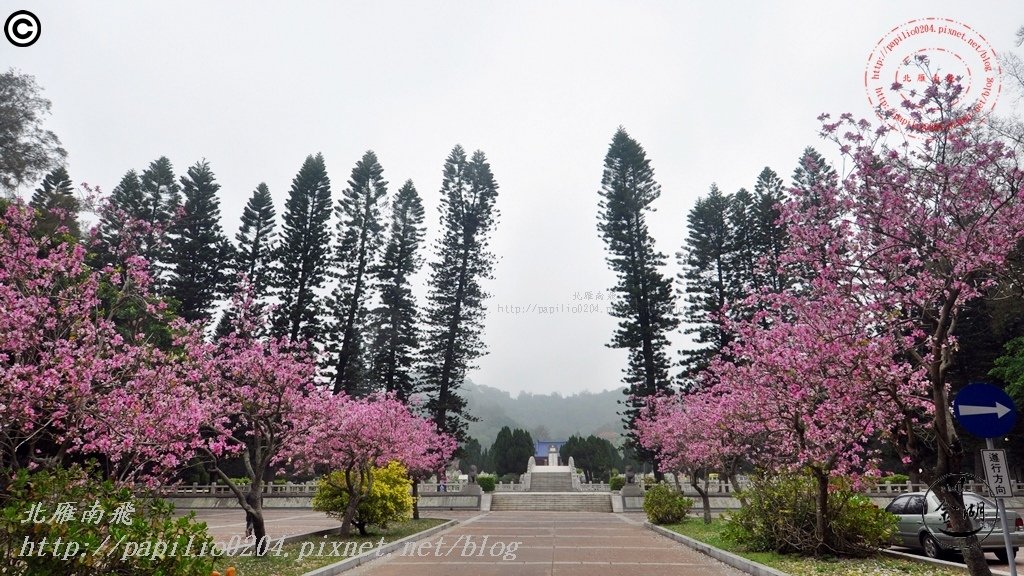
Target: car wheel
[
  {"x": 932, "y": 548},
  {"x": 1001, "y": 554}
]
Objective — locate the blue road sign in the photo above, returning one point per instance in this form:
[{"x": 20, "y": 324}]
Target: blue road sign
[{"x": 984, "y": 410}]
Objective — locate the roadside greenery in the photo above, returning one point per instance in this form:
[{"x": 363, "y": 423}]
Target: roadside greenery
[{"x": 715, "y": 534}]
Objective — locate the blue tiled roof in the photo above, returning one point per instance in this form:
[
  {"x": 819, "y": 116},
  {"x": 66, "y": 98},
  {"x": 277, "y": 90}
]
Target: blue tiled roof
[{"x": 542, "y": 447}]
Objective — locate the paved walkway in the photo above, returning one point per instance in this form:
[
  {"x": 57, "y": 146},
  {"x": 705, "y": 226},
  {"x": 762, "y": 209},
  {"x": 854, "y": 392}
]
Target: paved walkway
[
  {"x": 549, "y": 544},
  {"x": 222, "y": 524}
]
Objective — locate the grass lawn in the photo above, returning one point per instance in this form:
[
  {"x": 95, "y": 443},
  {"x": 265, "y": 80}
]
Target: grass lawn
[
  {"x": 285, "y": 560},
  {"x": 800, "y": 566}
]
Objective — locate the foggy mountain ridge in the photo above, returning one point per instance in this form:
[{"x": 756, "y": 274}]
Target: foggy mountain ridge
[{"x": 583, "y": 413}]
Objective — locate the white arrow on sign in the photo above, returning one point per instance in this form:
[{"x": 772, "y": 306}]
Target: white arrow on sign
[{"x": 999, "y": 410}]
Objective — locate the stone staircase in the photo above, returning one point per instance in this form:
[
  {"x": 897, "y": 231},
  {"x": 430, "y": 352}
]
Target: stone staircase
[
  {"x": 550, "y": 481},
  {"x": 552, "y": 501}
]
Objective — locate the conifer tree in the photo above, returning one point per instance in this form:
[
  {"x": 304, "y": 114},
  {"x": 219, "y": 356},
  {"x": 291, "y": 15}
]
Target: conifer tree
[
  {"x": 455, "y": 312},
  {"x": 359, "y": 240},
  {"x": 705, "y": 279},
  {"x": 396, "y": 333},
  {"x": 162, "y": 200},
  {"x": 56, "y": 204},
  {"x": 125, "y": 205},
  {"x": 769, "y": 235},
  {"x": 302, "y": 253},
  {"x": 811, "y": 170},
  {"x": 645, "y": 304},
  {"x": 200, "y": 252},
  {"x": 253, "y": 255}
]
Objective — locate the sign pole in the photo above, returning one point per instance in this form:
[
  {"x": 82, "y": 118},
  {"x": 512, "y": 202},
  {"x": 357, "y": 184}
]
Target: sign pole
[{"x": 1001, "y": 507}]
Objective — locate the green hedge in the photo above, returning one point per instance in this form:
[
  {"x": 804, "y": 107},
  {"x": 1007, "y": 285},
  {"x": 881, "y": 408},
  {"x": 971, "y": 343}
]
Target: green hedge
[{"x": 664, "y": 505}]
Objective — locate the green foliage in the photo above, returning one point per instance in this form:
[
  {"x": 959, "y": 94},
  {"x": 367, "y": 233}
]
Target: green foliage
[
  {"x": 151, "y": 529},
  {"x": 453, "y": 323},
  {"x": 779, "y": 515},
  {"x": 511, "y": 451},
  {"x": 359, "y": 241},
  {"x": 646, "y": 306},
  {"x": 303, "y": 253},
  {"x": 486, "y": 482},
  {"x": 200, "y": 252},
  {"x": 597, "y": 457},
  {"x": 395, "y": 323},
  {"x": 56, "y": 205},
  {"x": 389, "y": 499},
  {"x": 664, "y": 505},
  {"x": 617, "y": 482},
  {"x": 894, "y": 479},
  {"x": 1010, "y": 368}
]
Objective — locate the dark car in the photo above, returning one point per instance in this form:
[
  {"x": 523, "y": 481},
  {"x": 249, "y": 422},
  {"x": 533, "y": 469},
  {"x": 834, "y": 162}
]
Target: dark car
[{"x": 922, "y": 521}]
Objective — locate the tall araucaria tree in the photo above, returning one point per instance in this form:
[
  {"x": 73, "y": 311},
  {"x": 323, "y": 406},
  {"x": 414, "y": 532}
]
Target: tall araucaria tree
[
  {"x": 302, "y": 253},
  {"x": 645, "y": 307},
  {"x": 161, "y": 210},
  {"x": 200, "y": 253},
  {"x": 253, "y": 255},
  {"x": 359, "y": 241},
  {"x": 56, "y": 204},
  {"x": 705, "y": 280},
  {"x": 355, "y": 434},
  {"x": 455, "y": 310},
  {"x": 395, "y": 327}
]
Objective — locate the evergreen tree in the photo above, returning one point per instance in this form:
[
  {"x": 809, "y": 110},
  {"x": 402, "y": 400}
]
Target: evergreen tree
[
  {"x": 160, "y": 211},
  {"x": 705, "y": 279},
  {"x": 302, "y": 254},
  {"x": 56, "y": 204},
  {"x": 200, "y": 252},
  {"x": 645, "y": 306},
  {"x": 359, "y": 240},
  {"x": 769, "y": 235},
  {"x": 254, "y": 256},
  {"x": 395, "y": 321},
  {"x": 472, "y": 455},
  {"x": 522, "y": 449},
  {"x": 812, "y": 170},
  {"x": 456, "y": 300},
  {"x": 501, "y": 451},
  {"x": 118, "y": 221}
]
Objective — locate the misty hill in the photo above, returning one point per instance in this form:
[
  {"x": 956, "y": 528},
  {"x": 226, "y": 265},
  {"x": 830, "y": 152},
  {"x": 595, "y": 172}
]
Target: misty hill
[{"x": 560, "y": 416}]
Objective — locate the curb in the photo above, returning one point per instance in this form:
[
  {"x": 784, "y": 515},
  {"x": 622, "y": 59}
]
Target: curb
[
  {"x": 738, "y": 562},
  {"x": 934, "y": 562},
  {"x": 350, "y": 563}
]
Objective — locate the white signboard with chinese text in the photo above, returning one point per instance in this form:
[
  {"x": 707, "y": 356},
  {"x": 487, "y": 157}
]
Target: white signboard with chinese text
[{"x": 997, "y": 473}]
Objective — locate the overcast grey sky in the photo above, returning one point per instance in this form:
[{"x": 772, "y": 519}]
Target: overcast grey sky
[{"x": 714, "y": 92}]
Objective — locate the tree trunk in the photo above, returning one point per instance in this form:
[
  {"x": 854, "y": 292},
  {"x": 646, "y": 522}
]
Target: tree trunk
[
  {"x": 350, "y": 510},
  {"x": 415, "y": 498},
  {"x": 821, "y": 528},
  {"x": 704, "y": 500}
]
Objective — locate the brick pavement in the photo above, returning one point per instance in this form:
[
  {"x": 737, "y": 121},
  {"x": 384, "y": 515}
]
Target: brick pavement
[{"x": 549, "y": 544}]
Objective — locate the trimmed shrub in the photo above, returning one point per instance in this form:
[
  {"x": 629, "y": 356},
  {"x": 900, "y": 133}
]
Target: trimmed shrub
[
  {"x": 486, "y": 483},
  {"x": 895, "y": 479},
  {"x": 664, "y": 505},
  {"x": 389, "y": 499},
  {"x": 779, "y": 514},
  {"x": 93, "y": 512},
  {"x": 617, "y": 482}
]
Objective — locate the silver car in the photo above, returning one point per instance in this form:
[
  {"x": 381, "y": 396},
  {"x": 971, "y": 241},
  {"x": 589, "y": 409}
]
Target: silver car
[{"x": 921, "y": 520}]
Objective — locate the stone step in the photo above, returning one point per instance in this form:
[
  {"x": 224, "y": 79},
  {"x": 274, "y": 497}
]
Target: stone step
[
  {"x": 550, "y": 482},
  {"x": 552, "y": 501}
]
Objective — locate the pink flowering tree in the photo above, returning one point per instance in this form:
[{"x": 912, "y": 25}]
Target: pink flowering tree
[
  {"x": 74, "y": 381},
  {"x": 355, "y": 434},
  {"x": 259, "y": 393},
  {"x": 691, "y": 434}
]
